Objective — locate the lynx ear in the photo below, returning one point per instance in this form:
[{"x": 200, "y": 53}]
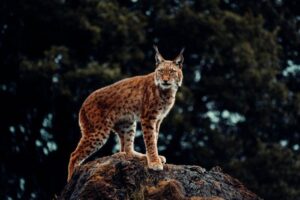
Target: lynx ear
[
  {"x": 158, "y": 57},
  {"x": 179, "y": 59}
]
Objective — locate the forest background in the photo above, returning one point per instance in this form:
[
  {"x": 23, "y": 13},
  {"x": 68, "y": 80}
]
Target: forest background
[{"x": 239, "y": 106}]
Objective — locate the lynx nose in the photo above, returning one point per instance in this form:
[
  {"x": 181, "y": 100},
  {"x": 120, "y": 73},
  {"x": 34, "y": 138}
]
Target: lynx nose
[{"x": 165, "y": 82}]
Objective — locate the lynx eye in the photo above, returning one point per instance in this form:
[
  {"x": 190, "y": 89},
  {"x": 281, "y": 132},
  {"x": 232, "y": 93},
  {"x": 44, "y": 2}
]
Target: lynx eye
[
  {"x": 176, "y": 63},
  {"x": 172, "y": 70}
]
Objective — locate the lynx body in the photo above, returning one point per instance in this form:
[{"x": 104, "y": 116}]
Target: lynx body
[{"x": 118, "y": 107}]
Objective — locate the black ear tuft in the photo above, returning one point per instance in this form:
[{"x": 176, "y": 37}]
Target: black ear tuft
[
  {"x": 182, "y": 50},
  {"x": 158, "y": 57},
  {"x": 155, "y": 48},
  {"x": 179, "y": 59}
]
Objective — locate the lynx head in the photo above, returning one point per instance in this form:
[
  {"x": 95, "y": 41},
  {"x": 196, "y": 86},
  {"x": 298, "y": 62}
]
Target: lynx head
[{"x": 168, "y": 73}]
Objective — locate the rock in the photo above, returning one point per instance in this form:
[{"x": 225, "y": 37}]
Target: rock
[{"x": 122, "y": 177}]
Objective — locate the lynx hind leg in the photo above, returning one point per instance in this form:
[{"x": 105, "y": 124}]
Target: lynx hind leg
[
  {"x": 87, "y": 145},
  {"x": 126, "y": 133}
]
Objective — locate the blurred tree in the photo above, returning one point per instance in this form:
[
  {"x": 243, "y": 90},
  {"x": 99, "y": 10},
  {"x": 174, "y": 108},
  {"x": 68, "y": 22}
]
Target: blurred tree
[{"x": 238, "y": 108}]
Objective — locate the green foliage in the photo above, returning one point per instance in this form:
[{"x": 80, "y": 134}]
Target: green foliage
[
  {"x": 271, "y": 168},
  {"x": 238, "y": 108}
]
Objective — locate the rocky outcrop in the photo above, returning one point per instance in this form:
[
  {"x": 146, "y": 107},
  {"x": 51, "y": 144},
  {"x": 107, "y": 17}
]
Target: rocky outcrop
[{"x": 121, "y": 177}]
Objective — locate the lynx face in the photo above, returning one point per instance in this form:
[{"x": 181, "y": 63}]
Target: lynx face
[{"x": 168, "y": 74}]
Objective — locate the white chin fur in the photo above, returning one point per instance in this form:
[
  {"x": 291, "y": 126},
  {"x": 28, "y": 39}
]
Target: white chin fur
[{"x": 164, "y": 87}]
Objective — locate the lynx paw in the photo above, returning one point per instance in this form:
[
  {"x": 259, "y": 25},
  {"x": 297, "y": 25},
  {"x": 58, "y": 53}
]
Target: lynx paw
[
  {"x": 163, "y": 159},
  {"x": 157, "y": 166}
]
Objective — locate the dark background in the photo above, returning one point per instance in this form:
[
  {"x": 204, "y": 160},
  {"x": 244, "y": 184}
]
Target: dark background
[{"x": 239, "y": 106}]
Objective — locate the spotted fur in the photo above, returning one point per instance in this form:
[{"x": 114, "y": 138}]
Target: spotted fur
[{"x": 118, "y": 107}]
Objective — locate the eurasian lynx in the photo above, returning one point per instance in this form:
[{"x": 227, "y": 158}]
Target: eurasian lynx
[{"x": 119, "y": 106}]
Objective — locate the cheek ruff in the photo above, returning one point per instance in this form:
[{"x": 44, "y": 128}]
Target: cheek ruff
[
  {"x": 179, "y": 83},
  {"x": 156, "y": 82}
]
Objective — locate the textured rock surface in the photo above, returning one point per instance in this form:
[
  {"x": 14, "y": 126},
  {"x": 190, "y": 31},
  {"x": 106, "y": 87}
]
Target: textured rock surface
[{"x": 120, "y": 177}]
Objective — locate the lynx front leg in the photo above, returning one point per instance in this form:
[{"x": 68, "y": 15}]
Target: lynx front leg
[
  {"x": 126, "y": 133},
  {"x": 121, "y": 140},
  {"x": 150, "y": 138},
  {"x": 162, "y": 158}
]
